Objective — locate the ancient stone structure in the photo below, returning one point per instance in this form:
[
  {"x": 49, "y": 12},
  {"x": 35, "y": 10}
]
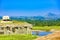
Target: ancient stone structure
[{"x": 9, "y": 27}]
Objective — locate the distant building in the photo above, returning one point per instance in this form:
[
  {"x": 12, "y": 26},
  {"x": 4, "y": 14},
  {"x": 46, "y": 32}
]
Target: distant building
[
  {"x": 9, "y": 27},
  {"x": 5, "y": 17}
]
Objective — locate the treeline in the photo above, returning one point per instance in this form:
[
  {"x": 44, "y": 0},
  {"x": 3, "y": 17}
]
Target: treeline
[
  {"x": 43, "y": 22},
  {"x": 38, "y": 21}
]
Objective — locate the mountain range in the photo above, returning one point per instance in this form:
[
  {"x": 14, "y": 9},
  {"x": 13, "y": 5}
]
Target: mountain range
[{"x": 47, "y": 17}]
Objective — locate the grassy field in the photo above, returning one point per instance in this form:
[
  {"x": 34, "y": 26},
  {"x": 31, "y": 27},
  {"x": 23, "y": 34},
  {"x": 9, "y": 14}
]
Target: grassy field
[
  {"x": 46, "y": 28},
  {"x": 17, "y": 37}
]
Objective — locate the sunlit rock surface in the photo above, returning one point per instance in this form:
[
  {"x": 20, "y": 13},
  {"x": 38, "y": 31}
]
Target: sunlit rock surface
[{"x": 8, "y": 26}]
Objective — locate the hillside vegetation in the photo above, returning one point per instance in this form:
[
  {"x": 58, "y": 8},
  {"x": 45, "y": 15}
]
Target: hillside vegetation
[{"x": 17, "y": 37}]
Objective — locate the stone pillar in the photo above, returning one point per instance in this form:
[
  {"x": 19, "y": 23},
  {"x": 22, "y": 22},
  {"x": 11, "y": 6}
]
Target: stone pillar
[
  {"x": 20, "y": 30},
  {"x": 29, "y": 30},
  {"x": 25, "y": 30},
  {"x": 5, "y": 30},
  {"x": 16, "y": 31},
  {"x": 11, "y": 30},
  {"x": 1, "y": 30}
]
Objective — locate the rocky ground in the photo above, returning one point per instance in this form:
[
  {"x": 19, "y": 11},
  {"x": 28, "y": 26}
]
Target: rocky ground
[{"x": 54, "y": 36}]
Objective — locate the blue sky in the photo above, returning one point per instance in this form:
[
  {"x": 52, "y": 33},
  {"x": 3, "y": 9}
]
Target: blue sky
[{"x": 29, "y": 7}]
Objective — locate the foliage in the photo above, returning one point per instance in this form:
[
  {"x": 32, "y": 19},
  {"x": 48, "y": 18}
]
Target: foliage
[
  {"x": 45, "y": 22},
  {"x": 46, "y": 28},
  {"x": 41, "y": 22},
  {"x": 37, "y": 21},
  {"x": 17, "y": 37}
]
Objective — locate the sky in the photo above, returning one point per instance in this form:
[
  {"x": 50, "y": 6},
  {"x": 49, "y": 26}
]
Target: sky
[{"x": 29, "y": 7}]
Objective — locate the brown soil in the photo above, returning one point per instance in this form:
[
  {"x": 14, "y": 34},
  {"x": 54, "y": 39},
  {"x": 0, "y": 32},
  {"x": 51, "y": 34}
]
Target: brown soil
[{"x": 53, "y": 36}]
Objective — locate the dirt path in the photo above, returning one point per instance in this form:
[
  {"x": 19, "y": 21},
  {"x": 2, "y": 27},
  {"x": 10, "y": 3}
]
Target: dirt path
[{"x": 53, "y": 36}]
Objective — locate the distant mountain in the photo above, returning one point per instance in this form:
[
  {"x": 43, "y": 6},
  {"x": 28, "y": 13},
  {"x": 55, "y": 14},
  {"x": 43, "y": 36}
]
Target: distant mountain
[
  {"x": 51, "y": 16},
  {"x": 26, "y": 17},
  {"x": 48, "y": 17},
  {"x": 38, "y": 18}
]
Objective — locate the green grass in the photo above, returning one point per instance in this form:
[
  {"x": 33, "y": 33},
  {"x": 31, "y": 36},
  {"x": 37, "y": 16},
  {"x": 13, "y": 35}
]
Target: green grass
[
  {"x": 17, "y": 37},
  {"x": 46, "y": 28}
]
